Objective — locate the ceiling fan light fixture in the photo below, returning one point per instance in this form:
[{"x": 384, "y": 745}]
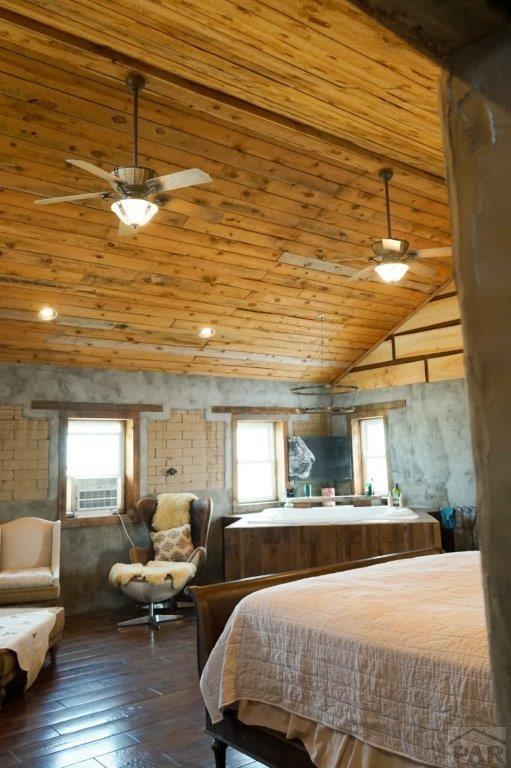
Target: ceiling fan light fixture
[
  {"x": 392, "y": 270},
  {"x": 134, "y": 211}
]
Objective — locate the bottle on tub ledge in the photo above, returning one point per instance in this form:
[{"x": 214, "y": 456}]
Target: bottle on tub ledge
[{"x": 396, "y": 497}]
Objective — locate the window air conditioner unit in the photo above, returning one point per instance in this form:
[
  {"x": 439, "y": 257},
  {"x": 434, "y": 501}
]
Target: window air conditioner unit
[{"x": 95, "y": 496}]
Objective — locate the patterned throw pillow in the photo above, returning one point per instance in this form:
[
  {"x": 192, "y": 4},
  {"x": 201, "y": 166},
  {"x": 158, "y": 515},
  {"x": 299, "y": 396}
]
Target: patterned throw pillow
[{"x": 175, "y": 545}]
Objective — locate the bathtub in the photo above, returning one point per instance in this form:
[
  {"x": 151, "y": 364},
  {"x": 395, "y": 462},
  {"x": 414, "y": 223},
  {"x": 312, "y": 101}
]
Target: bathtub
[
  {"x": 288, "y": 539},
  {"x": 346, "y": 513}
]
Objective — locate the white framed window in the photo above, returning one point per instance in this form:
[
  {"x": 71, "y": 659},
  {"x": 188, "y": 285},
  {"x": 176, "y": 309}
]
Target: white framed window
[
  {"x": 373, "y": 454},
  {"x": 95, "y": 466},
  {"x": 259, "y": 472}
]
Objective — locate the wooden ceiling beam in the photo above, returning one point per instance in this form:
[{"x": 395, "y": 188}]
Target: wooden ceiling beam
[{"x": 206, "y": 95}]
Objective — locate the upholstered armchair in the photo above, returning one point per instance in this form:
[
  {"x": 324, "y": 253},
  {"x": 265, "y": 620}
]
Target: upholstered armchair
[
  {"x": 29, "y": 561},
  {"x": 155, "y": 594}
]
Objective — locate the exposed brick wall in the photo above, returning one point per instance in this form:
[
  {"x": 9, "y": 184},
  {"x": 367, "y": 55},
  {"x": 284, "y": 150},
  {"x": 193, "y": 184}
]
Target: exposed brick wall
[
  {"x": 24, "y": 456},
  {"x": 190, "y": 444}
]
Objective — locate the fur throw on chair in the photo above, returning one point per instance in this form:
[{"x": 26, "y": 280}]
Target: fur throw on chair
[
  {"x": 154, "y": 573},
  {"x": 172, "y": 511}
]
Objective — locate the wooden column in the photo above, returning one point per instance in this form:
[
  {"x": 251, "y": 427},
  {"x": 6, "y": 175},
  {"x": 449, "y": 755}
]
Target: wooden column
[{"x": 477, "y": 115}]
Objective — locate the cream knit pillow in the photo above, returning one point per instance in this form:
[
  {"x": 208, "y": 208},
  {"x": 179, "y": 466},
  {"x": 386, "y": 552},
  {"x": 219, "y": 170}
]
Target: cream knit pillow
[
  {"x": 175, "y": 545},
  {"x": 172, "y": 510}
]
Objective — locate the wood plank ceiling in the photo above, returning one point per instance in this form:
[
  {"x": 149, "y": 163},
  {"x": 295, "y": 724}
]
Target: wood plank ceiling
[{"x": 292, "y": 111}]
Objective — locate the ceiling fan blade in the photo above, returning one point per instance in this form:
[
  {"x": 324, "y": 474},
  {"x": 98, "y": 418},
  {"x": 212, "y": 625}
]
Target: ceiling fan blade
[
  {"x": 431, "y": 253},
  {"x": 178, "y": 180},
  {"x": 362, "y": 274},
  {"x": 90, "y": 168},
  {"x": 346, "y": 260},
  {"x": 421, "y": 269},
  {"x": 126, "y": 231},
  {"x": 71, "y": 198}
]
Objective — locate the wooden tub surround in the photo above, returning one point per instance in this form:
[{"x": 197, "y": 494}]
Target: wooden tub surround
[
  {"x": 214, "y": 605},
  {"x": 253, "y": 549}
]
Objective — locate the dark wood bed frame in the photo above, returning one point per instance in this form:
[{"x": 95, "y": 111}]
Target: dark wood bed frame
[{"x": 214, "y": 604}]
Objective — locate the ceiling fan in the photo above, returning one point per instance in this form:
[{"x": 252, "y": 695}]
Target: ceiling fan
[
  {"x": 391, "y": 256},
  {"x": 137, "y": 190}
]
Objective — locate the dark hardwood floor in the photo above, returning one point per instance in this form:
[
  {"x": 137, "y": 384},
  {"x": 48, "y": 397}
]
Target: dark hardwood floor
[{"x": 114, "y": 699}]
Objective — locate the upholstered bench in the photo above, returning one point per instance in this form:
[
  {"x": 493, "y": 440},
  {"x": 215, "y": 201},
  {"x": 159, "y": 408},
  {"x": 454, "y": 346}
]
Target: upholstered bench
[{"x": 12, "y": 677}]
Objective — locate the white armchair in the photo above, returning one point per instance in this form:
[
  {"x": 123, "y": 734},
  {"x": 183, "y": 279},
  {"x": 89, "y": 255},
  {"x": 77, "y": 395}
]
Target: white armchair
[{"x": 29, "y": 560}]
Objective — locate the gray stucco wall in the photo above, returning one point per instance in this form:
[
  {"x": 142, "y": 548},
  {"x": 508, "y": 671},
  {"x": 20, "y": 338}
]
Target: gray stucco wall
[
  {"x": 88, "y": 553},
  {"x": 430, "y": 447},
  {"x": 430, "y": 443}
]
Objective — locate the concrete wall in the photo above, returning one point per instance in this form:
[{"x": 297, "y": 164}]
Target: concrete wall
[
  {"x": 430, "y": 445},
  {"x": 88, "y": 553}
]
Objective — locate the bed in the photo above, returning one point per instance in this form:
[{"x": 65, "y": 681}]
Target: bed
[{"x": 378, "y": 662}]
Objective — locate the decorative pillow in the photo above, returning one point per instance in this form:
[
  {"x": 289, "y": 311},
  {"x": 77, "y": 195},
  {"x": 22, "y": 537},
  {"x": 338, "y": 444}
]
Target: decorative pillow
[
  {"x": 175, "y": 545},
  {"x": 172, "y": 510}
]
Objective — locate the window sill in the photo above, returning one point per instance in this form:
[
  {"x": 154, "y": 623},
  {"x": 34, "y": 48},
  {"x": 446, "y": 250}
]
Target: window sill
[{"x": 86, "y": 522}]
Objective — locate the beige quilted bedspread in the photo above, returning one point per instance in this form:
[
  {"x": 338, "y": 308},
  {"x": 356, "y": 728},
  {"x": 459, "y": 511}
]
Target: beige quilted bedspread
[{"x": 395, "y": 654}]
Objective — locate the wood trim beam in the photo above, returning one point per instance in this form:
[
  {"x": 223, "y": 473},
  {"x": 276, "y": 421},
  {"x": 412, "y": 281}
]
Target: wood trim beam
[
  {"x": 373, "y": 409},
  {"x": 445, "y": 296},
  {"x": 253, "y": 410},
  {"x": 433, "y": 327},
  {"x": 275, "y": 411},
  {"x": 403, "y": 360},
  {"x": 62, "y": 405},
  {"x": 205, "y": 92}
]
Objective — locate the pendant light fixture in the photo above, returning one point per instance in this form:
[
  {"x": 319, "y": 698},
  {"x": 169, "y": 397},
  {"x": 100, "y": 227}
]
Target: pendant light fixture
[
  {"x": 390, "y": 251},
  {"x": 322, "y": 392}
]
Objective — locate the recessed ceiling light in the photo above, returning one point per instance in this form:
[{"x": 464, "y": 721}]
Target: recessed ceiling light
[
  {"x": 47, "y": 314},
  {"x": 206, "y": 333}
]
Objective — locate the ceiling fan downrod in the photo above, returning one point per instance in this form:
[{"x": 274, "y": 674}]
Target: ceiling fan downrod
[
  {"x": 386, "y": 175},
  {"x": 135, "y": 83}
]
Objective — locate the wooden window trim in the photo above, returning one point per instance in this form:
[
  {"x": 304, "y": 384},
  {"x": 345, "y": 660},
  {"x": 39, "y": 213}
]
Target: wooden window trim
[
  {"x": 131, "y": 462},
  {"x": 281, "y": 456},
  {"x": 357, "y": 483}
]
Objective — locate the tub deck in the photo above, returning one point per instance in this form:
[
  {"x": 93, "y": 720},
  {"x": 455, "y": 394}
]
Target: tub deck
[
  {"x": 345, "y": 514},
  {"x": 254, "y": 546}
]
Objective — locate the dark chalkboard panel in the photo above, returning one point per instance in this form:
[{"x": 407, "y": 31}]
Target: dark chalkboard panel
[{"x": 332, "y": 463}]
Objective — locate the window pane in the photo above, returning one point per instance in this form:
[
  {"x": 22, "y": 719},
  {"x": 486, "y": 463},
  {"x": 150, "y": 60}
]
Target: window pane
[
  {"x": 256, "y": 482},
  {"x": 374, "y": 455},
  {"x": 93, "y": 455},
  {"x": 95, "y": 466},
  {"x": 95, "y": 426},
  {"x": 255, "y": 441},
  {"x": 376, "y": 470},
  {"x": 373, "y": 435}
]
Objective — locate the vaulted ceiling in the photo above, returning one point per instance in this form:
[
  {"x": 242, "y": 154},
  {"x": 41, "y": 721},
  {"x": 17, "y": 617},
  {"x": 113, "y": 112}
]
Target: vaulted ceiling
[{"x": 291, "y": 108}]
